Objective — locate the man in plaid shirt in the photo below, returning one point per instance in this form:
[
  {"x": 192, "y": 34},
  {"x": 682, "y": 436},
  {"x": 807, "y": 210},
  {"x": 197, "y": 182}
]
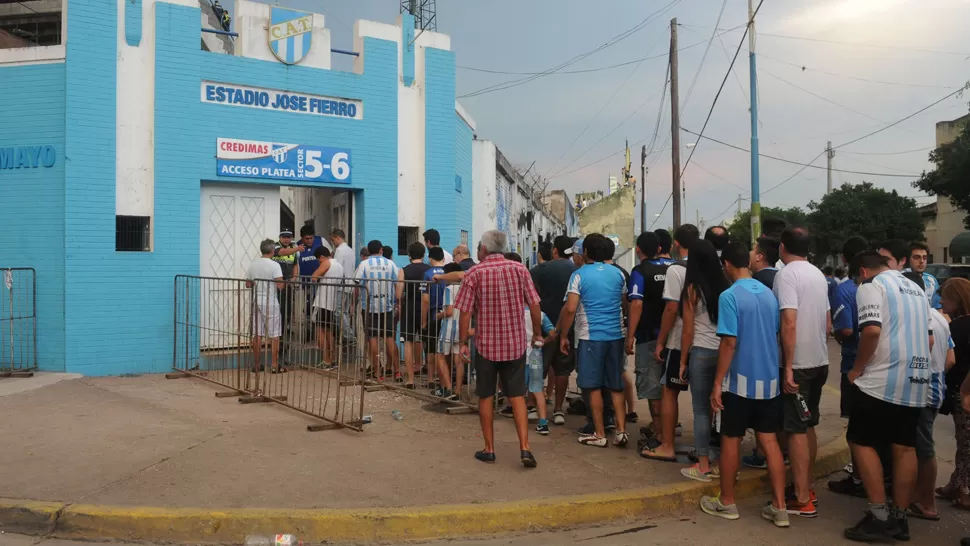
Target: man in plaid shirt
[{"x": 495, "y": 292}]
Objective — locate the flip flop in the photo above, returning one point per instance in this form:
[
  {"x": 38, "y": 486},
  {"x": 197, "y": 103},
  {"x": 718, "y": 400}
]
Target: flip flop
[
  {"x": 654, "y": 457},
  {"x": 916, "y": 511}
]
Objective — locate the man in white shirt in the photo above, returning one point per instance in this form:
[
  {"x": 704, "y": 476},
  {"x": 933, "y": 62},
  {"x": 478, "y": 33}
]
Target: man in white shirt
[
  {"x": 667, "y": 352},
  {"x": 328, "y": 302},
  {"x": 345, "y": 256},
  {"x": 892, "y": 375},
  {"x": 267, "y": 319},
  {"x": 803, "y": 297},
  {"x": 432, "y": 239}
]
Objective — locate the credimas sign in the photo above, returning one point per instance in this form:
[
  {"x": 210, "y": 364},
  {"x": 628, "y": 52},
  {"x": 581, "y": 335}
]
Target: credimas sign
[
  {"x": 281, "y": 101},
  {"x": 279, "y": 161}
]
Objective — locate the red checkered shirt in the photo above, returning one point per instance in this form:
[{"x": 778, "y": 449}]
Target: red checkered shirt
[{"x": 495, "y": 291}]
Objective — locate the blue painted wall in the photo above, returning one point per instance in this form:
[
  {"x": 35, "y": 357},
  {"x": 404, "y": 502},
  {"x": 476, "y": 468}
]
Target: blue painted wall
[
  {"x": 439, "y": 179},
  {"x": 32, "y": 202},
  {"x": 463, "y": 168}
]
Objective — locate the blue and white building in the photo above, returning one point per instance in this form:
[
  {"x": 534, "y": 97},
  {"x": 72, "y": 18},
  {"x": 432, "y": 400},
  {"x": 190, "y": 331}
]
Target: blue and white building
[{"x": 140, "y": 147}]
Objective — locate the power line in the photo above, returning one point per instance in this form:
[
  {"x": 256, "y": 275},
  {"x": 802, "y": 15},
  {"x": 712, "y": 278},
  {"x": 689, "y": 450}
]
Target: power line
[
  {"x": 798, "y": 172},
  {"x": 612, "y": 41},
  {"x": 901, "y": 120},
  {"x": 783, "y": 160},
  {"x": 857, "y": 78},
  {"x": 721, "y": 88},
  {"x": 719, "y": 177},
  {"x": 889, "y": 153},
  {"x": 700, "y": 67},
  {"x": 597, "y": 115},
  {"x": 667, "y": 202}
]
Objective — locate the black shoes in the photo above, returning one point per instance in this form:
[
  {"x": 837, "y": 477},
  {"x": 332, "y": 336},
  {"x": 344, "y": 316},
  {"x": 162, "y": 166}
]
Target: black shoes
[
  {"x": 528, "y": 460},
  {"x": 871, "y": 529},
  {"x": 848, "y": 486},
  {"x": 485, "y": 457}
]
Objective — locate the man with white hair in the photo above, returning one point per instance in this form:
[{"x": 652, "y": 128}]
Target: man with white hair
[
  {"x": 267, "y": 320},
  {"x": 495, "y": 292}
]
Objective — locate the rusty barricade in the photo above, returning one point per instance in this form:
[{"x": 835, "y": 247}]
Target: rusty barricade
[
  {"x": 18, "y": 322},
  {"x": 289, "y": 342}
]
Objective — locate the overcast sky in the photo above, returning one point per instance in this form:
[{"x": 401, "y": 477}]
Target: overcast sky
[{"x": 891, "y": 58}]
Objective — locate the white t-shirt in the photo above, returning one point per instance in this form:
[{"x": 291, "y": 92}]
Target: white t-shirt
[
  {"x": 802, "y": 286},
  {"x": 705, "y": 331},
  {"x": 673, "y": 287},
  {"x": 265, "y": 269},
  {"x": 900, "y": 370},
  {"x": 345, "y": 256},
  {"x": 332, "y": 289}
]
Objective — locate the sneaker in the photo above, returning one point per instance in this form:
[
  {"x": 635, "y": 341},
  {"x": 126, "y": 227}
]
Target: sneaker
[
  {"x": 871, "y": 529},
  {"x": 593, "y": 440},
  {"x": 621, "y": 439},
  {"x": 790, "y": 494},
  {"x": 805, "y": 510},
  {"x": 713, "y": 506},
  {"x": 586, "y": 429},
  {"x": 695, "y": 473},
  {"x": 533, "y": 415},
  {"x": 847, "y": 468},
  {"x": 398, "y": 378},
  {"x": 506, "y": 412},
  {"x": 777, "y": 516},
  {"x": 632, "y": 417},
  {"x": 453, "y": 397},
  {"x": 559, "y": 418},
  {"x": 902, "y": 527},
  {"x": 611, "y": 423},
  {"x": 754, "y": 460},
  {"x": 542, "y": 429},
  {"x": 848, "y": 486}
]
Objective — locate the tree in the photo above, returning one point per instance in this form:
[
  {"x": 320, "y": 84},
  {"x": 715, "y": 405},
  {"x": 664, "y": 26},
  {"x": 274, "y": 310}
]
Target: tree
[
  {"x": 864, "y": 210},
  {"x": 740, "y": 228},
  {"x": 952, "y": 173}
]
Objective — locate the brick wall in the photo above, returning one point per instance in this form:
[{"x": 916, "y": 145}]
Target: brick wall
[
  {"x": 463, "y": 168},
  {"x": 32, "y": 207},
  {"x": 440, "y": 196}
]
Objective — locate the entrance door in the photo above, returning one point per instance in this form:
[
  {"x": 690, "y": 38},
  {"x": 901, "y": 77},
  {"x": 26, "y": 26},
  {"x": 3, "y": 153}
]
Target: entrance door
[
  {"x": 340, "y": 205},
  {"x": 235, "y": 218}
]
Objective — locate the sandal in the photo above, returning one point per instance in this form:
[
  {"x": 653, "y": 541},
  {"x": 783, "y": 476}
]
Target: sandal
[
  {"x": 650, "y": 454},
  {"x": 917, "y": 511}
]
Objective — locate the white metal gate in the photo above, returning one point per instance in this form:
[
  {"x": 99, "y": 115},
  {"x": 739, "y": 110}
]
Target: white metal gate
[{"x": 235, "y": 218}]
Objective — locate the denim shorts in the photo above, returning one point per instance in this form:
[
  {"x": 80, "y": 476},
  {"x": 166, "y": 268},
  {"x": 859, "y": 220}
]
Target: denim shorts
[{"x": 600, "y": 364}]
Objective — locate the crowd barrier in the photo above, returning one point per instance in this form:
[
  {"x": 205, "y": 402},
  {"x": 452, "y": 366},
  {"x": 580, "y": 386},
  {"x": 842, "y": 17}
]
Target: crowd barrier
[{"x": 18, "y": 322}]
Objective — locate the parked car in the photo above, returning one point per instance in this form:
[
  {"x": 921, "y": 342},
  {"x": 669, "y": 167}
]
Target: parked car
[{"x": 945, "y": 271}]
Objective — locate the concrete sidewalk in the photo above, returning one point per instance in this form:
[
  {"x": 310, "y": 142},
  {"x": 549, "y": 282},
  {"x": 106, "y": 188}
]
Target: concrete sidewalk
[{"x": 113, "y": 444}]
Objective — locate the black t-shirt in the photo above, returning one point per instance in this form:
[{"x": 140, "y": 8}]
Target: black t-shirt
[
  {"x": 654, "y": 274},
  {"x": 766, "y": 276},
  {"x": 466, "y": 264},
  {"x": 412, "y": 290},
  {"x": 960, "y": 332},
  {"x": 551, "y": 280}
]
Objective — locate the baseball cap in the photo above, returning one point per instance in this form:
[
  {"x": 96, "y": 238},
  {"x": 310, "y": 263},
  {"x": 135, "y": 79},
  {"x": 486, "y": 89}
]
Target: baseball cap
[
  {"x": 564, "y": 245},
  {"x": 286, "y": 233},
  {"x": 577, "y": 247}
]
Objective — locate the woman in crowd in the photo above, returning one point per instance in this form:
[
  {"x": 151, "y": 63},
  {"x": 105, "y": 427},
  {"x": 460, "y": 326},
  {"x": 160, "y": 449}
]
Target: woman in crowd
[
  {"x": 955, "y": 299},
  {"x": 703, "y": 284}
]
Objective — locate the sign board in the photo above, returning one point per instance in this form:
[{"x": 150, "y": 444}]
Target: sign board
[
  {"x": 27, "y": 157},
  {"x": 280, "y": 161},
  {"x": 281, "y": 101}
]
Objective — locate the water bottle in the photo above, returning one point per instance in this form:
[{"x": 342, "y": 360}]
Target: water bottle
[
  {"x": 367, "y": 419},
  {"x": 398, "y": 416}
]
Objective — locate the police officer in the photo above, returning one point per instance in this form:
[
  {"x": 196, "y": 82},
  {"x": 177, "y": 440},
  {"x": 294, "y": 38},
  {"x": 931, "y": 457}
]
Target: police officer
[{"x": 285, "y": 255}]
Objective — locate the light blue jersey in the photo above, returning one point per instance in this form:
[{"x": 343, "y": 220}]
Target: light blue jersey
[
  {"x": 601, "y": 288},
  {"x": 378, "y": 275},
  {"x": 748, "y": 312},
  {"x": 941, "y": 332},
  {"x": 449, "y": 325},
  {"x": 932, "y": 286},
  {"x": 900, "y": 370}
]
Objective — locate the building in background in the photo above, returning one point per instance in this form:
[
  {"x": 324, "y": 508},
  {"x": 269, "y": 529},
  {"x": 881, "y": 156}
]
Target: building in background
[
  {"x": 558, "y": 203},
  {"x": 505, "y": 201},
  {"x": 143, "y": 147},
  {"x": 613, "y": 216},
  {"x": 942, "y": 221},
  {"x": 614, "y": 185}
]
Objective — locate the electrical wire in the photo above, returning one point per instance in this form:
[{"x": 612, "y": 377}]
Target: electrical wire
[
  {"x": 612, "y": 41},
  {"x": 798, "y": 172},
  {"x": 721, "y": 88},
  {"x": 889, "y": 153},
  {"x": 857, "y": 78},
  {"x": 783, "y": 160},
  {"x": 700, "y": 67},
  {"x": 667, "y": 202},
  {"x": 719, "y": 177},
  {"x": 877, "y": 131}
]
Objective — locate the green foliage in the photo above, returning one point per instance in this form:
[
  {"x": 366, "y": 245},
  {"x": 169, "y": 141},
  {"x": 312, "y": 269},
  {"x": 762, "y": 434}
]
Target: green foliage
[
  {"x": 864, "y": 210},
  {"x": 952, "y": 173},
  {"x": 740, "y": 228}
]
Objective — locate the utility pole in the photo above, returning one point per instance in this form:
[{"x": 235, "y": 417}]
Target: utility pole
[
  {"x": 753, "y": 87},
  {"x": 643, "y": 188},
  {"x": 675, "y": 122},
  {"x": 830, "y": 154}
]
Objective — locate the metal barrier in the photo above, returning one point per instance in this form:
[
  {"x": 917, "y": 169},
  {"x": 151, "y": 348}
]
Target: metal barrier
[
  {"x": 287, "y": 342},
  {"x": 18, "y": 322}
]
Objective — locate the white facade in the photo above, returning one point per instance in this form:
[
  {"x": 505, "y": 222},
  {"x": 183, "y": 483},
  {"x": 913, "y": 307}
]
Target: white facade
[{"x": 504, "y": 201}]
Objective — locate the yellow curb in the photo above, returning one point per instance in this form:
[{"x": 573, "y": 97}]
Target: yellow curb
[{"x": 195, "y": 525}]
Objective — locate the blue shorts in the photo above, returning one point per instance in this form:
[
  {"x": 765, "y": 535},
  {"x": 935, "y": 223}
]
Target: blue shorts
[{"x": 600, "y": 364}]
